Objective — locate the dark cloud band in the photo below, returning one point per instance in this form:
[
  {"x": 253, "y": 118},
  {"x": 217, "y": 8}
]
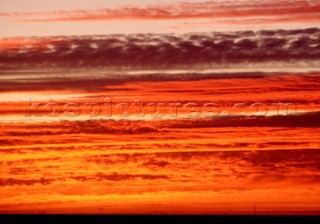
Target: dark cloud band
[{"x": 161, "y": 51}]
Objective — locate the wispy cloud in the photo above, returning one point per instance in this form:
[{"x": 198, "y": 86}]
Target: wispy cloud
[{"x": 175, "y": 11}]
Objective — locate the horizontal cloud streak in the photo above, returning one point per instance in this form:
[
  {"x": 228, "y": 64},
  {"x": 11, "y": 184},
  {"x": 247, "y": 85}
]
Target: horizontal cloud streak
[
  {"x": 184, "y": 10},
  {"x": 161, "y": 51}
]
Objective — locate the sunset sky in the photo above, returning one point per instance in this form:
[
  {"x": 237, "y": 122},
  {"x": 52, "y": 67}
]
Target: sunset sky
[
  {"x": 82, "y": 17},
  {"x": 160, "y": 107}
]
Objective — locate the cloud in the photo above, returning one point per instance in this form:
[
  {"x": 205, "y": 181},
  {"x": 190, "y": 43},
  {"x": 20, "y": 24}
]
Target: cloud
[
  {"x": 160, "y": 51},
  {"x": 14, "y": 181},
  {"x": 176, "y": 11}
]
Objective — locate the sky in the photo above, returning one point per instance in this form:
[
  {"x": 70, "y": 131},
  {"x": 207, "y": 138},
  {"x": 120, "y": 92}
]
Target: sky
[
  {"x": 206, "y": 123},
  {"x": 83, "y": 17}
]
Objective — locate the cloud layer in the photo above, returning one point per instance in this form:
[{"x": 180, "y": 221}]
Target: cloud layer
[
  {"x": 284, "y": 9},
  {"x": 156, "y": 16},
  {"x": 161, "y": 51}
]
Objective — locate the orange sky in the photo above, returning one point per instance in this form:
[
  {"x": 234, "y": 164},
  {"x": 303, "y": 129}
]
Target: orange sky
[
  {"x": 254, "y": 150},
  {"x": 170, "y": 165}
]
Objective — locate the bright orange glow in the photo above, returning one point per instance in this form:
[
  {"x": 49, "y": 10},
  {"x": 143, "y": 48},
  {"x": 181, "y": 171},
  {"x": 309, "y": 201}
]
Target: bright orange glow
[{"x": 90, "y": 166}]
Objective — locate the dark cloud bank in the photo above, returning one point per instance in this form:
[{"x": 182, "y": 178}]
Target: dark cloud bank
[{"x": 149, "y": 51}]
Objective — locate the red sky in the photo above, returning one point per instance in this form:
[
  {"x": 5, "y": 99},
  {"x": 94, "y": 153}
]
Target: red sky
[{"x": 240, "y": 160}]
